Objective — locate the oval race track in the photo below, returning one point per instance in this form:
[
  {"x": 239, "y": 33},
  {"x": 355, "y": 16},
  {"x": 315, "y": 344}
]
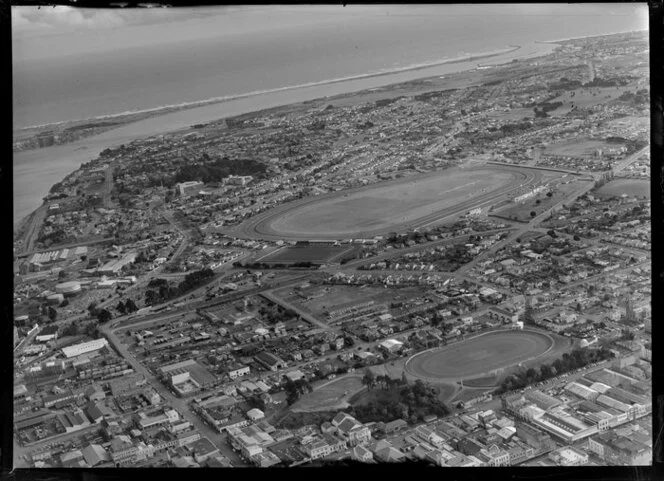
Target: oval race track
[
  {"x": 386, "y": 206},
  {"x": 479, "y": 355}
]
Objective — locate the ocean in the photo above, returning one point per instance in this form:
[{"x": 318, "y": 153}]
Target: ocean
[{"x": 211, "y": 53}]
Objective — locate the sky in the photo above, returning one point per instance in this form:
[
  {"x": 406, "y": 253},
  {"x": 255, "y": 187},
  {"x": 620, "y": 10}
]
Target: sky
[{"x": 52, "y": 32}]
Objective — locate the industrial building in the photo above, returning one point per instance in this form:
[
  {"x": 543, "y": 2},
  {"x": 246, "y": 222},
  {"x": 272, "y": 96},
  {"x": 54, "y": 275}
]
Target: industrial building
[{"x": 84, "y": 347}]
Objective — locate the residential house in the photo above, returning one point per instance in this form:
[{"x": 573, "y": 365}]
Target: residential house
[
  {"x": 362, "y": 454},
  {"x": 351, "y": 429}
]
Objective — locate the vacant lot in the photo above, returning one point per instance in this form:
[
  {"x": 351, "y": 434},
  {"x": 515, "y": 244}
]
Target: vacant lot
[
  {"x": 638, "y": 188},
  {"x": 329, "y": 396}
]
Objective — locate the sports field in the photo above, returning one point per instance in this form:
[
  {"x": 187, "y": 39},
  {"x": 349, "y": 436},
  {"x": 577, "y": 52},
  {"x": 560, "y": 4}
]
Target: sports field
[
  {"x": 576, "y": 147},
  {"x": 479, "y": 356},
  {"x": 368, "y": 211},
  {"x": 638, "y": 188}
]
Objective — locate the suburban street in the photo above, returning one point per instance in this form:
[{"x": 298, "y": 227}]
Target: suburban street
[{"x": 523, "y": 229}]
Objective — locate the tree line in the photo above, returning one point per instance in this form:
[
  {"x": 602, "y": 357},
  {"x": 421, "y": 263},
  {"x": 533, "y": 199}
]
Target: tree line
[
  {"x": 578, "y": 358},
  {"x": 159, "y": 290}
]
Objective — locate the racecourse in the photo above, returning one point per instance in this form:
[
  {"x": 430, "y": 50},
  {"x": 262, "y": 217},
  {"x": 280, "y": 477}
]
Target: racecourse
[
  {"x": 479, "y": 355},
  {"x": 377, "y": 209}
]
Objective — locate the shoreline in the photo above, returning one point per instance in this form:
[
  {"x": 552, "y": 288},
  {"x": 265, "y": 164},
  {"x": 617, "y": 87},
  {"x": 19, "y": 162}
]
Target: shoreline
[
  {"x": 51, "y": 164},
  {"x": 214, "y": 100},
  {"x": 583, "y": 37}
]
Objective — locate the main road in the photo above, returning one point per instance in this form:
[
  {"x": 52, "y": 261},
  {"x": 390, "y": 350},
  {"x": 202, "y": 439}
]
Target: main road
[
  {"x": 300, "y": 312},
  {"x": 632, "y": 158},
  {"x": 169, "y": 398}
]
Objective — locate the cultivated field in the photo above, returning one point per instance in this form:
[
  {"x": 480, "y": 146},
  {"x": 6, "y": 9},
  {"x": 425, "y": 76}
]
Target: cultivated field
[
  {"x": 638, "y": 188},
  {"x": 332, "y": 395},
  {"x": 315, "y": 254},
  {"x": 372, "y": 210},
  {"x": 479, "y": 356}
]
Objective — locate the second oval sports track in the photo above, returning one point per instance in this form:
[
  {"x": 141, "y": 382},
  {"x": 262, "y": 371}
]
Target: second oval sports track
[{"x": 479, "y": 355}]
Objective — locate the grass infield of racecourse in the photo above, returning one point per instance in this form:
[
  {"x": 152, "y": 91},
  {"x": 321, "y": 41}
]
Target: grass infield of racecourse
[
  {"x": 479, "y": 356},
  {"x": 367, "y": 211}
]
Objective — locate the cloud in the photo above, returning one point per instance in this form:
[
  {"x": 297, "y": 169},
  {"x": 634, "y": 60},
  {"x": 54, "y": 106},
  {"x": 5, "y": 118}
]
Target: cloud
[{"x": 63, "y": 19}]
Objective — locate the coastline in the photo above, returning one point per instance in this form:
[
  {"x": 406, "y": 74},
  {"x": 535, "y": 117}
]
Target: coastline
[
  {"x": 35, "y": 171},
  {"x": 163, "y": 109},
  {"x": 583, "y": 37}
]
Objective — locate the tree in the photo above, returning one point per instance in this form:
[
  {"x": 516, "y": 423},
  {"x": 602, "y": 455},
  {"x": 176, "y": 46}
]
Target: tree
[
  {"x": 256, "y": 402},
  {"x": 369, "y": 379},
  {"x": 577, "y": 238},
  {"x": 533, "y": 213},
  {"x": 70, "y": 330},
  {"x": 549, "y": 194},
  {"x": 92, "y": 330},
  {"x": 151, "y": 297},
  {"x": 104, "y": 316},
  {"x": 52, "y": 313},
  {"x": 122, "y": 309},
  {"x": 92, "y": 309},
  {"x": 130, "y": 305}
]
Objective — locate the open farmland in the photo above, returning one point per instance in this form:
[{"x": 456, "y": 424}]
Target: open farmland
[
  {"x": 638, "y": 188},
  {"x": 369, "y": 211}
]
